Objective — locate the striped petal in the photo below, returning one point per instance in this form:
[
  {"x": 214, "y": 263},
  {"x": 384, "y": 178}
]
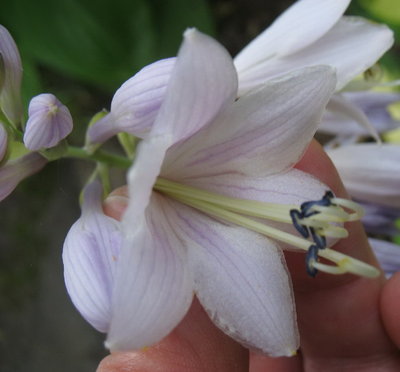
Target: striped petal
[
  {"x": 49, "y": 122},
  {"x": 136, "y": 103},
  {"x": 10, "y": 77},
  {"x": 351, "y": 46},
  {"x": 90, "y": 255},
  {"x": 153, "y": 286},
  {"x": 370, "y": 172},
  {"x": 262, "y": 133},
  {"x": 299, "y": 26},
  {"x": 242, "y": 281}
]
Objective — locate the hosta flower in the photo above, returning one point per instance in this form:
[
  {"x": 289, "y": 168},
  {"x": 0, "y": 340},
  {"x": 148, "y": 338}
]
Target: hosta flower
[
  {"x": 388, "y": 255},
  {"x": 49, "y": 122},
  {"x": 374, "y": 105},
  {"x": 3, "y": 142},
  {"x": 14, "y": 171},
  {"x": 212, "y": 169},
  {"x": 10, "y": 77},
  {"x": 370, "y": 172},
  {"x": 309, "y": 33}
]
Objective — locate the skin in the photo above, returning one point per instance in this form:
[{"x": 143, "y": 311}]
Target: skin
[{"x": 346, "y": 323}]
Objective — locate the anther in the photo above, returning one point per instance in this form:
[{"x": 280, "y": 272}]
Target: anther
[
  {"x": 319, "y": 240},
  {"x": 311, "y": 258},
  {"x": 296, "y": 216}
]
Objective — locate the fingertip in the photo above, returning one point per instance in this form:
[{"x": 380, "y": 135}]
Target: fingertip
[{"x": 390, "y": 308}]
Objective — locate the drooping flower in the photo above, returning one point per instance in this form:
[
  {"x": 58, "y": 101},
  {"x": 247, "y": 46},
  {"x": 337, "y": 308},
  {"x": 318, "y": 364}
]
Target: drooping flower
[
  {"x": 49, "y": 122},
  {"x": 10, "y": 78},
  {"x": 374, "y": 105},
  {"x": 388, "y": 255},
  {"x": 309, "y": 33},
  {"x": 208, "y": 159},
  {"x": 14, "y": 171},
  {"x": 370, "y": 172}
]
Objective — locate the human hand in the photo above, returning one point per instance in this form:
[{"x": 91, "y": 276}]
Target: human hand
[{"x": 346, "y": 323}]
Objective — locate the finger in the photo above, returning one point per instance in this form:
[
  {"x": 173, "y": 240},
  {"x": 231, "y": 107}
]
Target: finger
[
  {"x": 390, "y": 308},
  {"x": 196, "y": 345}
]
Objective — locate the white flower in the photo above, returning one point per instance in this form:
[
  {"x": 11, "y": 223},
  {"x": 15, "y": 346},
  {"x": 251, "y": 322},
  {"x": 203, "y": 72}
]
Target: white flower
[
  {"x": 210, "y": 151},
  {"x": 370, "y": 172},
  {"x": 388, "y": 255},
  {"x": 49, "y": 122},
  {"x": 309, "y": 33}
]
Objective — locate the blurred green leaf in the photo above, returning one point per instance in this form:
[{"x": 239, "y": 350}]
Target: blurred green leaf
[
  {"x": 387, "y": 10},
  {"x": 104, "y": 42}
]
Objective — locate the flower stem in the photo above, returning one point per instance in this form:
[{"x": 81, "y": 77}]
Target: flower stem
[{"x": 98, "y": 156}]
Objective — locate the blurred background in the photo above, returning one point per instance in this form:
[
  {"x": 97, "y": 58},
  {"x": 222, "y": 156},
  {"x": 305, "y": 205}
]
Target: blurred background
[{"x": 81, "y": 51}]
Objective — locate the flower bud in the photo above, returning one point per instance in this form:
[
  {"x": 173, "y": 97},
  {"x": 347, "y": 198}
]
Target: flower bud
[
  {"x": 18, "y": 169},
  {"x": 49, "y": 122},
  {"x": 3, "y": 142},
  {"x": 10, "y": 78}
]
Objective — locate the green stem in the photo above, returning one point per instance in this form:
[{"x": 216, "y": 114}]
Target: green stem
[{"x": 98, "y": 156}]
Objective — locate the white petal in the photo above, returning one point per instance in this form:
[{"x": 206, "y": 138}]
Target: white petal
[
  {"x": 263, "y": 132},
  {"x": 241, "y": 280},
  {"x": 388, "y": 255},
  {"x": 351, "y": 46},
  {"x": 202, "y": 82},
  {"x": 90, "y": 255},
  {"x": 153, "y": 287},
  {"x": 299, "y": 26},
  {"x": 370, "y": 172},
  {"x": 136, "y": 103}
]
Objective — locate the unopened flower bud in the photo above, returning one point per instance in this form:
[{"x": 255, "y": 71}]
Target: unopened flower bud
[
  {"x": 3, "y": 141},
  {"x": 10, "y": 77},
  {"x": 49, "y": 122}
]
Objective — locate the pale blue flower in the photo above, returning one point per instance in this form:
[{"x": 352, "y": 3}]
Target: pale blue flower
[{"x": 204, "y": 143}]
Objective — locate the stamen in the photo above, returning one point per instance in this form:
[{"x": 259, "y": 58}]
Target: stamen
[
  {"x": 317, "y": 223},
  {"x": 296, "y": 216},
  {"x": 319, "y": 239},
  {"x": 311, "y": 260}
]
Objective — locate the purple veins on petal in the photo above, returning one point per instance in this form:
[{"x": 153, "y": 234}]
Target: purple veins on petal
[
  {"x": 11, "y": 71},
  {"x": 49, "y": 122},
  {"x": 90, "y": 255}
]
